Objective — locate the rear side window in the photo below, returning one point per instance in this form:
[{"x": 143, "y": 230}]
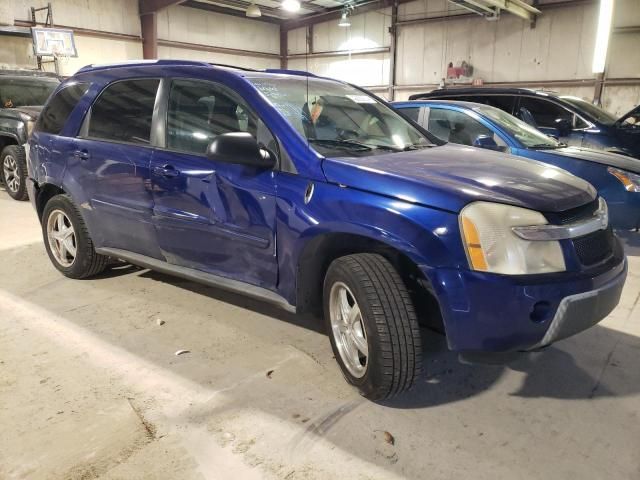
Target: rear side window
[
  {"x": 57, "y": 111},
  {"x": 123, "y": 112}
]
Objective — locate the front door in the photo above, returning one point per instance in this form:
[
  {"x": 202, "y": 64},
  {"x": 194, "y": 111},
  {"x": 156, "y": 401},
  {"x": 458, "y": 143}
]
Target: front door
[
  {"x": 210, "y": 215},
  {"x": 551, "y": 119}
]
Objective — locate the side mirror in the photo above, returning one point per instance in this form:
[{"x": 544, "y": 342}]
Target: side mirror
[
  {"x": 486, "y": 141},
  {"x": 240, "y": 148},
  {"x": 563, "y": 126}
]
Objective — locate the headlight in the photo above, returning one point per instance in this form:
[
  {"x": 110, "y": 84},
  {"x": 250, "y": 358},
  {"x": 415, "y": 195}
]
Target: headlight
[
  {"x": 492, "y": 246},
  {"x": 30, "y": 125},
  {"x": 631, "y": 181}
]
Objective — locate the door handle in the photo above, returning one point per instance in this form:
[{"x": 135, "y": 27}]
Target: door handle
[
  {"x": 168, "y": 171},
  {"x": 81, "y": 154}
]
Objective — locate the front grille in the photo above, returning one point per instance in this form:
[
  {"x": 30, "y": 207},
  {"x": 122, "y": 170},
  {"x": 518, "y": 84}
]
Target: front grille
[
  {"x": 595, "y": 247},
  {"x": 573, "y": 215}
]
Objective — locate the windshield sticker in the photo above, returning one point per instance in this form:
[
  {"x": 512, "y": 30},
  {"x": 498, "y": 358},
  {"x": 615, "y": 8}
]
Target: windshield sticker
[{"x": 361, "y": 98}]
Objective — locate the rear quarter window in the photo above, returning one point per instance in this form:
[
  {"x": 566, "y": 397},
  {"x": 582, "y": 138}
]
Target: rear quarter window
[{"x": 57, "y": 111}]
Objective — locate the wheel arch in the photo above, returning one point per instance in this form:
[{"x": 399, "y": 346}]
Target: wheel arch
[{"x": 323, "y": 249}]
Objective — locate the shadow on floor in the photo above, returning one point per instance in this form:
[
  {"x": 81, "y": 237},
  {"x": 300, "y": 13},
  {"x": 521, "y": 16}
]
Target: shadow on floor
[{"x": 552, "y": 373}]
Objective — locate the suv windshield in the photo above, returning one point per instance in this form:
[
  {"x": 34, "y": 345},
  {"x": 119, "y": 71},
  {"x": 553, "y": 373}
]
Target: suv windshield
[
  {"x": 529, "y": 136},
  {"x": 595, "y": 112},
  {"x": 23, "y": 91},
  {"x": 338, "y": 119}
]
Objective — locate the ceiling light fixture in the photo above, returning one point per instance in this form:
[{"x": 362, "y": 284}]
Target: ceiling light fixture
[
  {"x": 602, "y": 36},
  {"x": 290, "y": 5},
  {"x": 253, "y": 11},
  {"x": 344, "y": 20}
]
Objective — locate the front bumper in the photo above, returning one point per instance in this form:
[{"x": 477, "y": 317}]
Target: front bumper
[{"x": 498, "y": 313}]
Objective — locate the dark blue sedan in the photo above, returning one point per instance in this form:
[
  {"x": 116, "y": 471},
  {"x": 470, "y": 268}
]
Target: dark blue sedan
[{"x": 616, "y": 177}]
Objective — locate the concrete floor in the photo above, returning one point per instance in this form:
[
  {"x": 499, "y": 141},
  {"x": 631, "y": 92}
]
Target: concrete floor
[{"x": 90, "y": 387}]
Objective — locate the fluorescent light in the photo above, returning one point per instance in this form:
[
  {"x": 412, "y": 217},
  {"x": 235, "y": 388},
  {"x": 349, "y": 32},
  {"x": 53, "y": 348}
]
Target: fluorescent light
[
  {"x": 344, "y": 20},
  {"x": 602, "y": 36},
  {"x": 290, "y": 5},
  {"x": 253, "y": 11}
]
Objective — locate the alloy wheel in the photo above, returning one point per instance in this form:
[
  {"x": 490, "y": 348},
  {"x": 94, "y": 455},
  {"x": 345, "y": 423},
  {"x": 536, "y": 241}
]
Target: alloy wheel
[
  {"x": 11, "y": 174},
  {"x": 348, "y": 330},
  {"x": 62, "y": 238}
]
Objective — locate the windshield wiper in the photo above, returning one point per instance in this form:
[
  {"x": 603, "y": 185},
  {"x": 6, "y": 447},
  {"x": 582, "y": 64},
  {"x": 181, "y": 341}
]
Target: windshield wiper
[
  {"x": 546, "y": 146},
  {"x": 348, "y": 144}
]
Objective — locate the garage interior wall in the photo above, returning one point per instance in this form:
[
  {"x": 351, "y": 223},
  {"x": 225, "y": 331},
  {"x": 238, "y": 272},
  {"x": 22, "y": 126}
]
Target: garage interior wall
[
  {"x": 504, "y": 51},
  {"x": 109, "y": 31},
  {"x": 192, "y": 34}
]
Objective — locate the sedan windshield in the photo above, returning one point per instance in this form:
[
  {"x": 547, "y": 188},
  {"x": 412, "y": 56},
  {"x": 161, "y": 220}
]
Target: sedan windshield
[
  {"x": 338, "y": 119},
  {"x": 21, "y": 92},
  {"x": 529, "y": 136},
  {"x": 597, "y": 113}
]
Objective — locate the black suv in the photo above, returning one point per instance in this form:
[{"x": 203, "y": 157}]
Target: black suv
[
  {"x": 22, "y": 94},
  {"x": 570, "y": 119}
]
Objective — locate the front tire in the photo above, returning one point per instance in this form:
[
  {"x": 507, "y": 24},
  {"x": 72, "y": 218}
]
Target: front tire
[
  {"x": 13, "y": 171},
  {"x": 67, "y": 240},
  {"x": 372, "y": 325}
]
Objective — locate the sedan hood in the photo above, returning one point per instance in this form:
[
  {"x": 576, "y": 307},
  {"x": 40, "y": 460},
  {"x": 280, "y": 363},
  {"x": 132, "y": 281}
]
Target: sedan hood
[
  {"x": 32, "y": 111},
  {"x": 633, "y": 111},
  {"x": 599, "y": 156},
  {"x": 451, "y": 176}
]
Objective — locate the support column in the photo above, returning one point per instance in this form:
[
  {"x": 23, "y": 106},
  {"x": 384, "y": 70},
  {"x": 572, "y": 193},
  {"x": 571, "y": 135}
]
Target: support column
[
  {"x": 393, "y": 30},
  {"x": 597, "y": 92},
  {"x": 284, "y": 48},
  {"x": 149, "y": 28}
]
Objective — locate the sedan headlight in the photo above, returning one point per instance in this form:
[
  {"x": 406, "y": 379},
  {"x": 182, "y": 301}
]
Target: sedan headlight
[
  {"x": 30, "y": 125},
  {"x": 631, "y": 181},
  {"x": 492, "y": 246}
]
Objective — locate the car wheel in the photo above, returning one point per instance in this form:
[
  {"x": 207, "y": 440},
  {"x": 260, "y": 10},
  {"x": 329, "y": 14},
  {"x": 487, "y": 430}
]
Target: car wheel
[
  {"x": 13, "y": 171},
  {"x": 67, "y": 240},
  {"x": 372, "y": 325}
]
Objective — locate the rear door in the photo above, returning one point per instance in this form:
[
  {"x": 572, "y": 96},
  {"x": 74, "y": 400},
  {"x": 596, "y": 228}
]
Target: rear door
[
  {"x": 211, "y": 215},
  {"x": 110, "y": 161}
]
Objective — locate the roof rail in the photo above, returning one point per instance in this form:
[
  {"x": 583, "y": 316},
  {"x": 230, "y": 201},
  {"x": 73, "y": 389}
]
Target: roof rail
[
  {"x": 141, "y": 63},
  {"x": 235, "y": 67},
  {"x": 301, "y": 73}
]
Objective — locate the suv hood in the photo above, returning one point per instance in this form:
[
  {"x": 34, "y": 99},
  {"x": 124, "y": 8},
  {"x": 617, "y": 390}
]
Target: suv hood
[
  {"x": 450, "y": 176},
  {"x": 599, "y": 156},
  {"x": 633, "y": 111}
]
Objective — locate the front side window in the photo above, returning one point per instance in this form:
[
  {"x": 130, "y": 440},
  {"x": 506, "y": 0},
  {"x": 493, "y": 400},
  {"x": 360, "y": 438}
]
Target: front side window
[
  {"x": 199, "y": 111},
  {"x": 22, "y": 92},
  {"x": 338, "y": 119},
  {"x": 544, "y": 113},
  {"x": 595, "y": 112},
  {"x": 55, "y": 114},
  {"x": 123, "y": 112},
  {"x": 527, "y": 135},
  {"x": 457, "y": 127}
]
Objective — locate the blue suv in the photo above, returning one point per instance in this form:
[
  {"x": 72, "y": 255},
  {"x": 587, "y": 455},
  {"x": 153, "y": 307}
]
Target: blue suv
[{"x": 314, "y": 195}]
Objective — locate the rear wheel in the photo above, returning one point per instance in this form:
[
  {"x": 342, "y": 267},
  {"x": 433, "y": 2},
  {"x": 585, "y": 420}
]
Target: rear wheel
[
  {"x": 13, "y": 171},
  {"x": 67, "y": 240},
  {"x": 372, "y": 325}
]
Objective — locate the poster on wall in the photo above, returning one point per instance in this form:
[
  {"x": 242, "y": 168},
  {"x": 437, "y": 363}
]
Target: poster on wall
[{"x": 53, "y": 42}]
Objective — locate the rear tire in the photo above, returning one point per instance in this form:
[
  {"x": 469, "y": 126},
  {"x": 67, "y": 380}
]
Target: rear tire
[
  {"x": 372, "y": 325},
  {"x": 13, "y": 171},
  {"x": 67, "y": 240}
]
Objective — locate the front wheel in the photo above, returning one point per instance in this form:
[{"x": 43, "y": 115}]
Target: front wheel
[
  {"x": 13, "y": 171},
  {"x": 372, "y": 325}
]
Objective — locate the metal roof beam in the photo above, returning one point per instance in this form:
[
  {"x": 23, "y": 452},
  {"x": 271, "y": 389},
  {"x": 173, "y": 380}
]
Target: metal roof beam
[
  {"x": 516, "y": 7},
  {"x": 151, "y": 6}
]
